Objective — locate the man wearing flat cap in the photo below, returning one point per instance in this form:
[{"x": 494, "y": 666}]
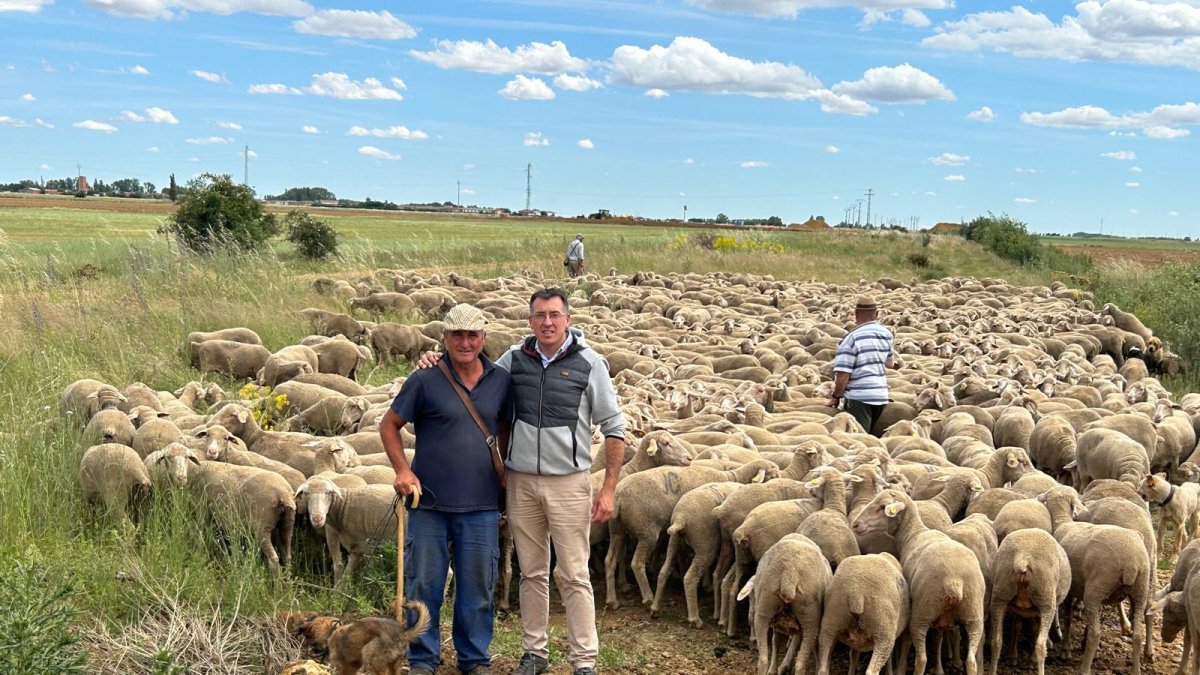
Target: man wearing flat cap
[
  {"x": 860, "y": 367},
  {"x": 575, "y": 256},
  {"x": 460, "y": 411}
]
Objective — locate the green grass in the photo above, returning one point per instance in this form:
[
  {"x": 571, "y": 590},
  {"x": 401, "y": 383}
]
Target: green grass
[
  {"x": 99, "y": 294},
  {"x": 1114, "y": 242}
]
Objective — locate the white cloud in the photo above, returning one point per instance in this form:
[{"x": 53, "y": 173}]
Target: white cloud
[
  {"x": 398, "y": 83},
  {"x": 153, "y": 116},
  {"x": 355, "y": 24},
  {"x": 1122, "y": 155},
  {"x": 138, "y": 70},
  {"x": 209, "y": 140},
  {"x": 949, "y": 159},
  {"x": 153, "y": 148},
  {"x": 655, "y": 93},
  {"x": 692, "y": 64},
  {"x": 1133, "y": 184},
  {"x": 1123, "y": 134},
  {"x": 984, "y": 114},
  {"x": 575, "y": 82},
  {"x": 44, "y": 167},
  {"x": 23, "y": 5},
  {"x": 335, "y": 85},
  {"x": 915, "y": 18},
  {"x": 956, "y": 178},
  {"x": 310, "y": 129},
  {"x": 371, "y": 151},
  {"x": 169, "y": 9},
  {"x": 1172, "y": 213},
  {"x": 790, "y": 8},
  {"x": 930, "y": 193},
  {"x": 752, "y": 165},
  {"x": 215, "y": 78},
  {"x": 522, "y": 88},
  {"x": 468, "y": 191},
  {"x": 689, "y": 160},
  {"x": 535, "y": 138},
  {"x": 1134, "y": 212},
  {"x": 28, "y": 98},
  {"x": 1023, "y": 170},
  {"x": 282, "y": 89},
  {"x": 488, "y": 57},
  {"x": 900, "y": 84},
  {"x": 1025, "y": 200},
  {"x": 160, "y": 116},
  {"x": 230, "y": 125},
  {"x": 7, "y": 121},
  {"x": 248, "y": 153},
  {"x": 832, "y": 149},
  {"x": 1165, "y": 132},
  {"x": 390, "y": 132},
  {"x": 1138, "y": 31},
  {"x": 1135, "y": 169},
  {"x": 468, "y": 167},
  {"x": 843, "y": 104},
  {"x": 585, "y": 143},
  {"x": 92, "y": 125}
]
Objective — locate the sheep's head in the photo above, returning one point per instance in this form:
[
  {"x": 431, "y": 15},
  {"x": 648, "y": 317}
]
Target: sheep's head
[
  {"x": 319, "y": 494},
  {"x": 141, "y": 414},
  {"x": 174, "y": 462},
  {"x": 1062, "y": 499},
  {"x": 216, "y": 439},
  {"x": 106, "y": 397},
  {"x": 352, "y": 413},
  {"x": 1016, "y": 463},
  {"x": 881, "y": 515},
  {"x": 233, "y": 417},
  {"x": 1174, "y": 614},
  {"x": 1190, "y": 471}
]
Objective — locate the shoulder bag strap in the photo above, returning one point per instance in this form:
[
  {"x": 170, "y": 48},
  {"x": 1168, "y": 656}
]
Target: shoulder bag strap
[{"x": 489, "y": 437}]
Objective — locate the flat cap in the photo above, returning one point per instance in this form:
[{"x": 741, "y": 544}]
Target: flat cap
[
  {"x": 464, "y": 317},
  {"x": 865, "y": 303}
]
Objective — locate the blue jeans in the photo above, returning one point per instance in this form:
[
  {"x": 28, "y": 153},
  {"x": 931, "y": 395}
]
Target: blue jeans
[{"x": 473, "y": 538}]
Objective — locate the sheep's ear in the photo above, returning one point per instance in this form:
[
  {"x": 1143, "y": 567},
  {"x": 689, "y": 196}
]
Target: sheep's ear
[
  {"x": 94, "y": 394},
  {"x": 746, "y": 590},
  {"x": 758, "y": 477},
  {"x": 243, "y": 415},
  {"x": 191, "y": 456},
  {"x": 854, "y": 478},
  {"x": 163, "y": 414},
  {"x": 1161, "y": 474},
  {"x": 893, "y": 509},
  {"x": 874, "y": 461},
  {"x": 1013, "y": 460},
  {"x": 652, "y": 448},
  {"x": 301, "y": 489},
  {"x": 1069, "y": 466},
  {"x": 944, "y": 478},
  {"x": 201, "y": 433},
  {"x": 815, "y": 483}
]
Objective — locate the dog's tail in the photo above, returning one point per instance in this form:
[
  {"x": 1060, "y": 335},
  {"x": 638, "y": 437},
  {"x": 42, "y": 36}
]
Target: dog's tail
[{"x": 420, "y": 625}]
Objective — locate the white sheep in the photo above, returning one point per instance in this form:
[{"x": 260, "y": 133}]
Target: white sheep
[
  {"x": 112, "y": 476},
  {"x": 791, "y": 578},
  {"x": 942, "y": 574},
  {"x": 1031, "y": 576},
  {"x": 356, "y": 519},
  {"x": 866, "y": 607}
]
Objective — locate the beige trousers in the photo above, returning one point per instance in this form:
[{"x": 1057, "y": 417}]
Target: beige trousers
[{"x": 541, "y": 510}]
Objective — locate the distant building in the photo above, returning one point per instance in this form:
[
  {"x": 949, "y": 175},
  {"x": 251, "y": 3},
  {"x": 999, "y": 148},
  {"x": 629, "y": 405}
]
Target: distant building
[{"x": 82, "y": 185}]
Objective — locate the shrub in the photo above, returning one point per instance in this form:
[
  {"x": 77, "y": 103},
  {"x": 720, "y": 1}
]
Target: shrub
[
  {"x": 918, "y": 259},
  {"x": 35, "y": 623},
  {"x": 216, "y": 213},
  {"x": 1009, "y": 239},
  {"x": 314, "y": 238}
]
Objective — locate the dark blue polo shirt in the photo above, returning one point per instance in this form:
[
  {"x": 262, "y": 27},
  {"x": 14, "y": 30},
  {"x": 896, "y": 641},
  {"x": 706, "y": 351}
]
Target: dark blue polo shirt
[{"x": 452, "y": 458}]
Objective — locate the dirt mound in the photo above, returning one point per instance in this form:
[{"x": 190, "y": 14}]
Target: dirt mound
[
  {"x": 945, "y": 228},
  {"x": 811, "y": 225}
]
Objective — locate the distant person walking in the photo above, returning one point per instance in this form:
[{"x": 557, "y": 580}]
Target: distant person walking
[
  {"x": 575, "y": 256},
  {"x": 860, "y": 367}
]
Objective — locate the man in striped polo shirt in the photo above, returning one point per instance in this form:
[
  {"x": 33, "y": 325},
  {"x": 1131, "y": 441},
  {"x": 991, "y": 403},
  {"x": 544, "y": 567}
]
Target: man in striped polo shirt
[{"x": 860, "y": 367}]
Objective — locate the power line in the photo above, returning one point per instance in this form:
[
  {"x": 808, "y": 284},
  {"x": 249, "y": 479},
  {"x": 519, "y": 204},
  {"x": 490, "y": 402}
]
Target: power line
[{"x": 869, "y": 193}]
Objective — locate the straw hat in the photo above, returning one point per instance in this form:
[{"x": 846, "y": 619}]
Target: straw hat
[
  {"x": 464, "y": 317},
  {"x": 865, "y": 303}
]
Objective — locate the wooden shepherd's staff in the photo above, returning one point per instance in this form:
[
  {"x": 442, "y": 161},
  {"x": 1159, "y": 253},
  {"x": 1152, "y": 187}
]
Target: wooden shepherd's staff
[{"x": 400, "y": 522}]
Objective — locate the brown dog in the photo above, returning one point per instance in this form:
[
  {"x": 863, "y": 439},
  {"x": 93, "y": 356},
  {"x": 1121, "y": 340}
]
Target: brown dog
[{"x": 375, "y": 645}]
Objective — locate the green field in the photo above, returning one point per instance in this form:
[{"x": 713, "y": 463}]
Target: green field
[
  {"x": 99, "y": 294},
  {"x": 1116, "y": 242}
]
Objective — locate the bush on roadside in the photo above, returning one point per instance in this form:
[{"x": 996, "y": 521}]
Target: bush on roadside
[
  {"x": 215, "y": 213},
  {"x": 1008, "y": 238},
  {"x": 35, "y": 623},
  {"x": 314, "y": 238}
]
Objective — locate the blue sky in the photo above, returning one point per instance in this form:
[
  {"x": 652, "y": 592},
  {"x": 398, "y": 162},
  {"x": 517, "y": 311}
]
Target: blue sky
[{"x": 1060, "y": 114}]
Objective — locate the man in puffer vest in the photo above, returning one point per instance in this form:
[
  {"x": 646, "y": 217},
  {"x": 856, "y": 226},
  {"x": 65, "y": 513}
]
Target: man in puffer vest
[{"x": 561, "y": 387}]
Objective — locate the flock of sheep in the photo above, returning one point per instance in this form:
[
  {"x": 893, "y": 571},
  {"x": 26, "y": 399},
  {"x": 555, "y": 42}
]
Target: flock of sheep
[{"x": 1008, "y": 483}]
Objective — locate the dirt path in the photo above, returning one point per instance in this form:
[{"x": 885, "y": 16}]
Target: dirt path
[{"x": 1143, "y": 256}]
